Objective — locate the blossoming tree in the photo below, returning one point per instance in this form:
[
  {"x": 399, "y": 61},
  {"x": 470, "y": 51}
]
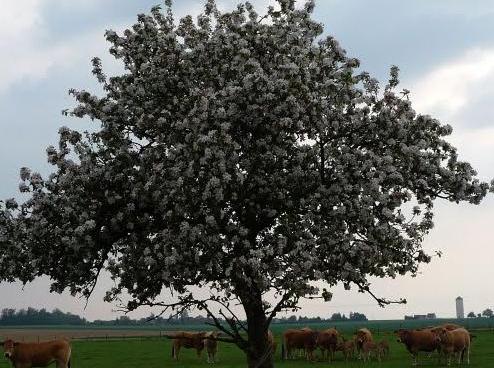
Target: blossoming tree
[{"x": 243, "y": 154}]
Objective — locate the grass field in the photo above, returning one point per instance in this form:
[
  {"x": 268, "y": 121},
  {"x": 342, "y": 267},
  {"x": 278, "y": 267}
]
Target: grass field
[{"x": 155, "y": 353}]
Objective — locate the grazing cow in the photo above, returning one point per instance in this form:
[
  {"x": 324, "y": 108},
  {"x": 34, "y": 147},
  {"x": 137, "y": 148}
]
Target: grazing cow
[
  {"x": 454, "y": 342},
  {"x": 327, "y": 341},
  {"x": 41, "y": 354},
  {"x": 297, "y": 339},
  {"x": 370, "y": 348},
  {"x": 189, "y": 340},
  {"x": 362, "y": 336},
  {"x": 347, "y": 347},
  {"x": 211, "y": 345},
  {"x": 418, "y": 340}
]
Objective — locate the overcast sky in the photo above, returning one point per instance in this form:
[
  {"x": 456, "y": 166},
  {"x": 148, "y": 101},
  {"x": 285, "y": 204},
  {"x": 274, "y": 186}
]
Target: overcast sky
[{"x": 444, "y": 48}]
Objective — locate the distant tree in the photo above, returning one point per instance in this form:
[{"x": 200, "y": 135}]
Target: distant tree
[
  {"x": 355, "y": 316},
  {"x": 245, "y": 154},
  {"x": 338, "y": 317},
  {"x": 7, "y": 313},
  {"x": 292, "y": 319},
  {"x": 488, "y": 313},
  {"x": 184, "y": 316},
  {"x": 471, "y": 315},
  {"x": 479, "y": 315},
  {"x": 335, "y": 317},
  {"x": 124, "y": 320}
]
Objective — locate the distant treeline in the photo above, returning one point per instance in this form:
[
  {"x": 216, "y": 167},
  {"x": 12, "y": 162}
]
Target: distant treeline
[
  {"x": 32, "y": 316},
  {"x": 153, "y": 320},
  {"x": 336, "y": 317}
]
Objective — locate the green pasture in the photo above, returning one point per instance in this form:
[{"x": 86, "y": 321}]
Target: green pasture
[{"x": 155, "y": 352}]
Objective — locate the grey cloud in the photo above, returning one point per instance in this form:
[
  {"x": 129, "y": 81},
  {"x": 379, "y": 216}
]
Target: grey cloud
[
  {"x": 479, "y": 112},
  {"x": 411, "y": 34}
]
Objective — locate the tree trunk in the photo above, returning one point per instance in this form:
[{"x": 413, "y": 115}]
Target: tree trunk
[{"x": 259, "y": 352}]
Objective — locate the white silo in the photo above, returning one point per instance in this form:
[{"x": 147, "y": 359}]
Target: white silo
[{"x": 460, "y": 312}]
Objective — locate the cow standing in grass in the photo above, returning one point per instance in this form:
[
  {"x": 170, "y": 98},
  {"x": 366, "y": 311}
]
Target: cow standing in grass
[
  {"x": 454, "y": 342},
  {"x": 211, "y": 345},
  {"x": 189, "y": 340},
  {"x": 298, "y": 339},
  {"x": 302, "y": 352},
  {"x": 42, "y": 354},
  {"x": 418, "y": 340},
  {"x": 347, "y": 347},
  {"x": 383, "y": 347},
  {"x": 327, "y": 341},
  {"x": 362, "y": 336},
  {"x": 370, "y": 349}
]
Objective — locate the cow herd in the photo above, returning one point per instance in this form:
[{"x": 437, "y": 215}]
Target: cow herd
[
  {"x": 448, "y": 340},
  {"x": 304, "y": 342}
]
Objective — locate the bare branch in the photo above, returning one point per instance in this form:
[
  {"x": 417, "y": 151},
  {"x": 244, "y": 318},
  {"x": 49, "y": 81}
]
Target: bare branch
[{"x": 382, "y": 302}]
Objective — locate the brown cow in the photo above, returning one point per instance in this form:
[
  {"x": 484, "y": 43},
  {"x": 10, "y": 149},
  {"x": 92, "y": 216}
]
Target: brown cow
[
  {"x": 450, "y": 326},
  {"x": 362, "y": 335},
  {"x": 41, "y": 354},
  {"x": 297, "y": 339},
  {"x": 302, "y": 352},
  {"x": 327, "y": 341},
  {"x": 347, "y": 347},
  {"x": 211, "y": 345},
  {"x": 189, "y": 340},
  {"x": 383, "y": 347},
  {"x": 368, "y": 348},
  {"x": 454, "y": 342},
  {"x": 418, "y": 340}
]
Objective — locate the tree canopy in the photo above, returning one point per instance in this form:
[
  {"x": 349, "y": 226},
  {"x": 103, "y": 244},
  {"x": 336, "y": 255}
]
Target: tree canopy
[
  {"x": 245, "y": 154},
  {"x": 488, "y": 313}
]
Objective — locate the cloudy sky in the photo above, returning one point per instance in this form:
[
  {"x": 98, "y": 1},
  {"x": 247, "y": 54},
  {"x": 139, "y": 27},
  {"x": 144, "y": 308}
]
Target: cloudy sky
[{"x": 444, "y": 48}]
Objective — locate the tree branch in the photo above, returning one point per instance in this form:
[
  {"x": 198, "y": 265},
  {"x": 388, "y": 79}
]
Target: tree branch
[{"x": 382, "y": 302}]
